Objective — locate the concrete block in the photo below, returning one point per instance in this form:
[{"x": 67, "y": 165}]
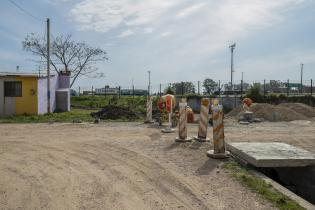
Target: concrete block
[{"x": 272, "y": 154}]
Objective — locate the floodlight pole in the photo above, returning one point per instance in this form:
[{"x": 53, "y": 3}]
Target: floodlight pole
[{"x": 232, "y": 47}]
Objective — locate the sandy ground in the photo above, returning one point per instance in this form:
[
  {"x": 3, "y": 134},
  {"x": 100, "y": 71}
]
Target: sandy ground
[{"x": 126, "y": 166}]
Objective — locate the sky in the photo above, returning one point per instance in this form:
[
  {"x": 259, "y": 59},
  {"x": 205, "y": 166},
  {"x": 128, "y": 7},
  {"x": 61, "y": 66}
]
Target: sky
[{"x": 177, "y": 40}]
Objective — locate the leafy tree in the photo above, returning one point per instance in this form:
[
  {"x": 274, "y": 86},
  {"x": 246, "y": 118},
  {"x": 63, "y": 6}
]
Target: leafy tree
[
  {"x": 210, "y": 85},
  {"x": 169, "y": 90},
  {"x": 66, "y": 54},
  {"x": 183, "y": 88},
  {"x": 254, "y": 93}
]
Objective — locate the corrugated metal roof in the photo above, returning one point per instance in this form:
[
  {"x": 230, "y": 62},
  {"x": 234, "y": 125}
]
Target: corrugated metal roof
[{"x": 20, "y": 74}]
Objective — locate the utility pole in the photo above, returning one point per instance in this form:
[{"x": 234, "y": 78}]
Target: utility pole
[
  {"x": 232, "y": 47},
  {"x": 302, "y": 77},
  {"x": 149, "y": 87},
  {"x": 48, "y": 65},
  {"x": 133, "y": 89},
  {"x": 242, "y": 84}
]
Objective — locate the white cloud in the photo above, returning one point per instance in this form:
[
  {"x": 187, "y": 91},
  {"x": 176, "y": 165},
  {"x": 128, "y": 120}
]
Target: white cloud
[
  {"x": 166, "y": 34},
  {"x": 104, "y": 15},
  {"x": 201, "y": 28},
  {"x": 191, "y": 10},
  {"x": 148, "y": 30},
  {"x": 126, "y": 33}
]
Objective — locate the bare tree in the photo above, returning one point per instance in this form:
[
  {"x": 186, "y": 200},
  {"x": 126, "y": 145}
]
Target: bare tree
[{"x": 66, "y": 54}]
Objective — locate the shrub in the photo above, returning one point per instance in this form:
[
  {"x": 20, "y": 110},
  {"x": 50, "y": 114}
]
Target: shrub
[{"x": 255, "y": 94}]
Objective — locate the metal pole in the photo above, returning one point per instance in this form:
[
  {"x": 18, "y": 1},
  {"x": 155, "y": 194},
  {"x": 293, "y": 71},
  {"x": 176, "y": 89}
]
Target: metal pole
[
  {"x": 119, "y": 92},
  {"x": 182, "y": 88},
  {"x": 160, "y": 89},
  {"x": 105, "y": 91},
  {"x": 288, "y": 88},
  {"x": 149, "y": 83},
  {"x": 242, "y": 88},
  {"x": 198, "y": 87},
  {"x": 219, "y": 87},
  {"x": 311, "y": 87},
  {"x": 264, "y": 88},
  {"x": 79, "y": 91},
  {"x": 302, "y": 77},
  {"x": 232, "y": 63},
  {"x": 48, "y": 65}
]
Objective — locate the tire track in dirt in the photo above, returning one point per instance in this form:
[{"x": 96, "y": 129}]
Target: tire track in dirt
[{"x": 100, "y": 176}]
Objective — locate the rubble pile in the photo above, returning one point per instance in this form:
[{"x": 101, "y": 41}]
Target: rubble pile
[{"x": 112, "y": 112}]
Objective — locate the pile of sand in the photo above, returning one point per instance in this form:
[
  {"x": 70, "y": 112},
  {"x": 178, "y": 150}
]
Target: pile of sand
[{"x": 274, "y": 113}]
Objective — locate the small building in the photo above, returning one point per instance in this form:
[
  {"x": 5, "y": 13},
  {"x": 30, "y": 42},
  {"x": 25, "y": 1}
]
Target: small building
[
  {"x": 23, "y": 93},
  {"x": 137, "y": 92},
  {"x": 107, "y": 91}
]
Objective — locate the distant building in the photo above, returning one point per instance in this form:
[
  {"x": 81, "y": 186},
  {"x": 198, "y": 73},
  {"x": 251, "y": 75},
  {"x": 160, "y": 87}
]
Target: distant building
[
  {"x": 137, "y": 92},
  {"x": 107, "y": 91},
  {"x": 23, "y": 93}
]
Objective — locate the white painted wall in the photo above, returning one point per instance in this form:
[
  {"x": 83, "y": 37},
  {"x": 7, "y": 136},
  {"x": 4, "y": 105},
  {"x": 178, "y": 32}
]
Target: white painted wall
[{"x": 42, "y": 94}]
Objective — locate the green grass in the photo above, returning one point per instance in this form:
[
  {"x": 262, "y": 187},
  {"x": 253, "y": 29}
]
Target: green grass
[
  {"x": 82, "y": 108},
  {"x": 259, "y": 186},
  {"x": 74, "y": 114},
  {"x": 136, "y": 103}
]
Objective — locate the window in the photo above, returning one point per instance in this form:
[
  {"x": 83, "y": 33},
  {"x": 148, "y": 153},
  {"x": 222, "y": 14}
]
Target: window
[{"x": 12, "y": 89}]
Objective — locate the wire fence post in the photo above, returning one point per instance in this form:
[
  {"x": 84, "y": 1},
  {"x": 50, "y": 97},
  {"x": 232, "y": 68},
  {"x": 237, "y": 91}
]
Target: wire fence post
[
  {"x": 160, "y": 89},
  {"x": 133, "y": 91},
  {"x": 105, "y": 91},
  {"x": 264, "y": 88},
  {"x": 182, "y": 89},
  {"x": 79, "y": 91},
  {"x": 241, "y": 88},
  {"x": 219, "y": 88},
  {"x": 92, "y": 90},
  {"x": 119, "y": 91},
  {"x": 288, "y": 88},
  {"x": 198, "y": 87},
  {"x": 311, "y": 87}
]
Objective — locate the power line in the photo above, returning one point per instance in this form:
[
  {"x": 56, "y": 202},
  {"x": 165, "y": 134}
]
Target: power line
[{"x": 25, "y": 11}]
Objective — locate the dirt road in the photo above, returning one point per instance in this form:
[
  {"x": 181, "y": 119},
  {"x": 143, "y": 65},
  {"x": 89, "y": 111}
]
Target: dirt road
[{"x": 113, "y": 166}]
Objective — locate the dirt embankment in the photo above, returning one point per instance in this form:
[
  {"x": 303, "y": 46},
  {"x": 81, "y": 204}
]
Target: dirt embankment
[{"x": 281, "y": 112}]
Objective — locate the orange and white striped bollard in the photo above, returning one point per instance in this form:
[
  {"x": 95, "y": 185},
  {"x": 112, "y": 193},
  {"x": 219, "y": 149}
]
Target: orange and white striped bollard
[
  {"x": 149, "y": 111},
  {"x": 219, "y": 151},
  {"x": 182, "y": 124},
  {"x": 203, "y": 121}
]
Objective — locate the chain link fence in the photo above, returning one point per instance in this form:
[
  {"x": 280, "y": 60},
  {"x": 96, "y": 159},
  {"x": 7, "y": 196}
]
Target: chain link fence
[{"x": 204, "y": 88}]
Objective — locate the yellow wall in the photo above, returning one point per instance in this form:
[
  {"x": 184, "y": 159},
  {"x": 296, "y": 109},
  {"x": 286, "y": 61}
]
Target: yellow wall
[{"x": 28, "y": 103}]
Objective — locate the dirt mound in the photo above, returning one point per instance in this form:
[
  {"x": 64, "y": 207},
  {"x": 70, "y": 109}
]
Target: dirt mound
[
  {"x": 300, "y": 108},
  {"x": 113, "y": 112},
  {"x": 274, "y": 113}
]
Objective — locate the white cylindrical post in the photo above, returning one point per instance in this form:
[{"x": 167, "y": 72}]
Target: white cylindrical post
[
  {"x": 169, "y": 107},
  {"x": 203, "y": 120},
  {"x": 218, "y": 133},
  {"x": 182, "y": 125}
]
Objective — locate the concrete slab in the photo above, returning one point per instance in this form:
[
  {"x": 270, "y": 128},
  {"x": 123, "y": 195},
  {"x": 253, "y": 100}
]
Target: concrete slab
[{"x": 271, "y": 154}]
